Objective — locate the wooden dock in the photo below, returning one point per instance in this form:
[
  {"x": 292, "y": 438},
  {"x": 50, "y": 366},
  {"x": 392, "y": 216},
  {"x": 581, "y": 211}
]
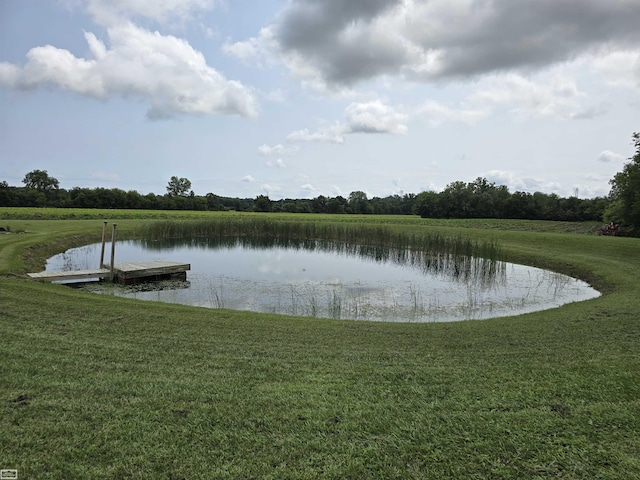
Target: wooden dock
[
  {"x": 144, "y": 271},
  {"x": 122, "y": 272}
]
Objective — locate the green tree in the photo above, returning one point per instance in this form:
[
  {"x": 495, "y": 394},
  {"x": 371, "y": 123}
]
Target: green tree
[
  {"x": 625, "y": 191},
  {"x": 262, "y": 204},
  {"x": 359, "y": 203},
  {"x": 408, "y": 204},
  {"x": 6, "y": 197},
  {"x": 520, "y": 205},
  {"x": 213, "y": 202},
  {"x": 178, "y": 187},
  {"x": 337, "y": 205},
  {"x": 319, "y": 204},
  {"x": 455, "y": 200},
  {"x": 134, "y": 200},
  {"x": 40, "y": 180},
  {"x": 546, "y": 206},
  {"x": 428, "y": 204}
]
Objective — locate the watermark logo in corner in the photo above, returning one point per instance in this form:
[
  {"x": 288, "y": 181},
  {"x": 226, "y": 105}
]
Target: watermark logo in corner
[{"x": 8, "y": 474}]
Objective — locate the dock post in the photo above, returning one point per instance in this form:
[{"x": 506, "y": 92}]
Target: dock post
[
  {"x": 113, "y": 249},
  {"x": 104, "y": 235}
]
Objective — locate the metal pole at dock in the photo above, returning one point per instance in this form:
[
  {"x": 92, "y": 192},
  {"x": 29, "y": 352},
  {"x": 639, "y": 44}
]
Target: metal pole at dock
[
  {"x": 113, "y": 249},
  {"x": 104, "y": 235}
]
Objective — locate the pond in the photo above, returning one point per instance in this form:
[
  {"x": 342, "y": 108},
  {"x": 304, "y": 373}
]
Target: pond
[{"x": 335, "y": 280}]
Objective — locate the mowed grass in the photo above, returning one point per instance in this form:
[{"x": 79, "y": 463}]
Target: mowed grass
[{"x": 101, "y": 387}]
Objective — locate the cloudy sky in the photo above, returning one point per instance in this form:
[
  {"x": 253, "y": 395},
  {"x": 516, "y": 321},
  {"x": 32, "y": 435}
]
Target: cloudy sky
[{"x": 302, "y": 98}]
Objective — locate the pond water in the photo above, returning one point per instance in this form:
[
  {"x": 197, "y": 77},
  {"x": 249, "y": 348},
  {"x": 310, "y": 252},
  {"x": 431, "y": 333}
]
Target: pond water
[{"x": 322, "y": 279}]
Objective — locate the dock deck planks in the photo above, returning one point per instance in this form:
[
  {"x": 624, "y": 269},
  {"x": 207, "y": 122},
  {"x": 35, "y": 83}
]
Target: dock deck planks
[{"x": 127, "y": 271}]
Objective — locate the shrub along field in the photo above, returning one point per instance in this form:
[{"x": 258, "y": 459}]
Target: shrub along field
[{"x": 93, "y": 386}]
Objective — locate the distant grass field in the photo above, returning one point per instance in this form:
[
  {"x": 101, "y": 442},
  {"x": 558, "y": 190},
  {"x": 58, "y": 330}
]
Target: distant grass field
[
  {"x": 27, "y": 213},
  {"x": 94, "y": 386}
]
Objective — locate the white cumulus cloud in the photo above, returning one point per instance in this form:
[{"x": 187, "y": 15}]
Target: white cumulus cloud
[
  {"x": 165, "y": 71},
  {"x": 372, "y": 117},
  {"x": 527, "y": 98},
  {"x": 607, "y": 156},
  {"x": 329, "y": 135},
  {"x": 437, "y": 113},
  {"x": 267, "y": 151},
  {"x": 279, "y": 163},
  {"x": 621, "y": 68}
]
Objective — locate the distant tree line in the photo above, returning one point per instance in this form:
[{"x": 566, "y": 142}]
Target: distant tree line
[
  {"x": 477, "y": 199},
  {"x": 484, "y": 199},
  {"x": 180, "y": 197},
  {"x": 115, "y": 198}
]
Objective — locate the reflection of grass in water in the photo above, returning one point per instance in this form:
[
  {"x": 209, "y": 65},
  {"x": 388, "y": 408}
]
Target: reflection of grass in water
[
  {"x": 559, "y": 283},
  {"x": 456, "y": 256},
  {"x": 355, "y": 301},
  {"x": 217, "y": 296},
  {"x": 416, "y": 299},
  {"x": 332, "y": 300},
  {"x": 313, "y": 305},
  {"x": 335, "y": 307},
  {"x": 80, "y": 258}
]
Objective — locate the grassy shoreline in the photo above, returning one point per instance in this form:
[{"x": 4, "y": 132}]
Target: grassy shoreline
[{"x": 101, "y": 387}]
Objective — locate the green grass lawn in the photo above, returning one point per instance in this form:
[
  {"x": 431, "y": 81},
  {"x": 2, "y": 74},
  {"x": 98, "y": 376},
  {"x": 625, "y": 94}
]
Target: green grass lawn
[{"x": 93, "y": 386}]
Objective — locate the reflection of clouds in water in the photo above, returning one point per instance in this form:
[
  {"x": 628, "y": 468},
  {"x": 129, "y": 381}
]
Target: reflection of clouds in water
[
  {"x": 535, "y": 285},
  {"x": 276, "y": 263},
  {"x": 81, "y": 258},
  {"x": 270, "y": 268}
]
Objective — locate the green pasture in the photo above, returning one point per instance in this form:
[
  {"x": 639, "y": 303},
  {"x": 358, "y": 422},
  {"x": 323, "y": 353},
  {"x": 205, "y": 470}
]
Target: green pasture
[{"x": 94, "y": 386}]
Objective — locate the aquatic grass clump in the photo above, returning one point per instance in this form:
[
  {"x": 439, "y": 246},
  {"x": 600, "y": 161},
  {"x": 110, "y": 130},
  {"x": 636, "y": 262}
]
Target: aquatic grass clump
[
  {"x": 458, "y": 256},
  {"x": 365, "y": 235}
]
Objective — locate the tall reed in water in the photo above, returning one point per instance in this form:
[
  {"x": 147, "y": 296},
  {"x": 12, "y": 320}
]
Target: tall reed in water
[
  {"x": 457, "y": 255},
  {"x": 364, "y": 235}
]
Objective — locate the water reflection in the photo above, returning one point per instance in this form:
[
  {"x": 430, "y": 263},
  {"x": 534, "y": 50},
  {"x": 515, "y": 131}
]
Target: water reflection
[
  {"x": 338, "y": 280},
  {"x": 456, "y": 267}
]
